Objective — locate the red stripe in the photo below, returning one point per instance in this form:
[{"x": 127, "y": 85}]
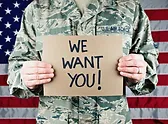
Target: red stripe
[
  {"x": 163, "y": 80},
  {"x": 33, "y": 121},
  {"x": 159, "y": 14},
  {"x": 139, "y": 102},
  {"x": 3, "y": 80},
  {"x": 160, "y": 36},
  {"x": 163, "y": 58},
  {"x": 149, "y": 121},
  {"x": 17, "y": 121},
  {"x": 147, "y": 102},
  {"x": 13, "y": 102}
]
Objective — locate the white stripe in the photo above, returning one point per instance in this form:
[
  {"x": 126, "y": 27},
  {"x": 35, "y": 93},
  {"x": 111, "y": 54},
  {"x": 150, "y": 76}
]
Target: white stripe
[
  {"x": 149, "y": 4},
  {"x": 162, "y": 69},
  {"x": 4, "y": 91},
  {"x": 160, "y": 91},
  {"x": 159, "y": 25},
  {"x": 149, "y": 113},
  {"x": 162, "y": 47},
  {"x": 3, "y": 69},
  {"x": 136, "y": 113},
  {"x": 13, "y": 113},
  {"x": 31, "y": 113}
]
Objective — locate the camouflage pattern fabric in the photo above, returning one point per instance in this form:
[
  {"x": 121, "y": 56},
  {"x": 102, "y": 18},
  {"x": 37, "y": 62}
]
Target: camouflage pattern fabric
[{"x": 102, "y": 17}]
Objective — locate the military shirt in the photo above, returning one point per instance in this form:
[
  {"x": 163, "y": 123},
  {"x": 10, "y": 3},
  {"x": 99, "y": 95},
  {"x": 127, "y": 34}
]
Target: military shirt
[{"x": 101, "y": 17}]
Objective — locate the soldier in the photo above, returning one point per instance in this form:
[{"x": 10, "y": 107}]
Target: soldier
[{"x": 27, "y": 73}]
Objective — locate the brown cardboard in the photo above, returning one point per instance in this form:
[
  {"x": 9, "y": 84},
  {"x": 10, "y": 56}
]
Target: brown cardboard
[{"x": 110, "y": 47}]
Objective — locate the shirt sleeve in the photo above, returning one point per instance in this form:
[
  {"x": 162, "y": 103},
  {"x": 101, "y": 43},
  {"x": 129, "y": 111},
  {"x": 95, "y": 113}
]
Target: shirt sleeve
[
  {"x": 142, "y": 43},
  {"x": 24, "y": 50}
]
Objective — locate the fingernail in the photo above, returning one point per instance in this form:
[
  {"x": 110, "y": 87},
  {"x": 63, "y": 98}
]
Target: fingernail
[
  {"x": 119, "y": 64},
  {"x": 52, "y": 75},
  {"x": 52, "y": 70},
  {"x": 121, "y": 73}
]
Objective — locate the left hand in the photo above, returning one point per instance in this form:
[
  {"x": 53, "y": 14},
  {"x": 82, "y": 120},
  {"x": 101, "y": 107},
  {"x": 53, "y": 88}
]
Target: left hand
[{"x": 132, "y": 66}]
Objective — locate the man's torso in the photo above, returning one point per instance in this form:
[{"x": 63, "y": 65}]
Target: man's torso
[{"x": 103, "y": 17}]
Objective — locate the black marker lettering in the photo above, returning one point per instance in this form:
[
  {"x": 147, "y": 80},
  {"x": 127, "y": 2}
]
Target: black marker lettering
[
  {"x": 98, "y": 61},
  {"x": 78, "y": 62},
  {"x": 73, "y": 78},
  {"x": 93, "y": 81},
  {"x": 74, "y": 46},
  {"x": 67, "y": 63},
  {"x": 84, "y": 80},
  {"x": 84, "y": 45},
  {"x": 91, "y": 62}
]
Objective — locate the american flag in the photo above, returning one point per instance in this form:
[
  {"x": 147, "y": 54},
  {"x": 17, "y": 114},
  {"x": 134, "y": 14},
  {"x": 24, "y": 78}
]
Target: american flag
[{"x": 148, "y": 109}]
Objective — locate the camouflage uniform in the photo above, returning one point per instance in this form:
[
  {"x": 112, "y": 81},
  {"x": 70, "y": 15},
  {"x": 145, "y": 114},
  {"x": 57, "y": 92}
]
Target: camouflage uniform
[{"x": 102, "y": 17}]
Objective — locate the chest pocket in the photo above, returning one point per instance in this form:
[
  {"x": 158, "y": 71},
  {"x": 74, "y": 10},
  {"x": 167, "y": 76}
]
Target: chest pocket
[
  {"x": 53, "y": 27},
  {"x": 111, "y": 22},
  {"x": 59, "y": 27},
  {"x": 113, "y": 29}
]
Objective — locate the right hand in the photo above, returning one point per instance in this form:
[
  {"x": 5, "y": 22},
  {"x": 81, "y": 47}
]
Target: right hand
[{"x": 34, "y": 73}]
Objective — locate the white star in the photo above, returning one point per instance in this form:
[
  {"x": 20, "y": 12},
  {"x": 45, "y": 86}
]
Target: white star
[
  {"x": 8, "y": 11},
  {"x": 8, "y": 39},
  {"x": 1, "y": 33},
  {"x": 8, "y": 25},
  {"x": 0, "y": 47},
  {"x": 15, "y": 32},
  {"x": 0, "y": 19},
  {"x": 16, "y": 19},
  {"x": 16, "y": 5},
  {"x": 0, "y": 5},
  {"x": 7, "y": 53}
]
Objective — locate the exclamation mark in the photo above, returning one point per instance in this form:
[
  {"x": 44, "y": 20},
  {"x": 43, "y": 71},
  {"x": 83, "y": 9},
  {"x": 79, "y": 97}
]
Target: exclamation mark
[{"x": 99, "y": 80}]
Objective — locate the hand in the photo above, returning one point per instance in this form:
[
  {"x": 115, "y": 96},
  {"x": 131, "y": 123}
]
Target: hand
[
  {"x": 34, "y": 73},
  {"x": 133, "y": 67}
]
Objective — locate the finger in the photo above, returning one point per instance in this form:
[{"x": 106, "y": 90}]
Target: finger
[
  {"x": 29, "y": 71},
  {"x": 36, "y": 64},
  {"x": 132, "y": 63},
  {"x": 31, "y": 87},
  {"x": 132, "y": 76},
  {"x": 132, "y": 70},
  {"x": 37, "y": 82},
  {"x": 38, "y": 76},
  {"x": 131, "y": 57},
  {"x": 34, "y": 87}
]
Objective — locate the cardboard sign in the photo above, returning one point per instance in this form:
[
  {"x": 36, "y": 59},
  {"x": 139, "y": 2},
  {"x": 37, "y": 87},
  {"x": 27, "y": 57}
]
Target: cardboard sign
[{"x": 84, "y": 65}]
